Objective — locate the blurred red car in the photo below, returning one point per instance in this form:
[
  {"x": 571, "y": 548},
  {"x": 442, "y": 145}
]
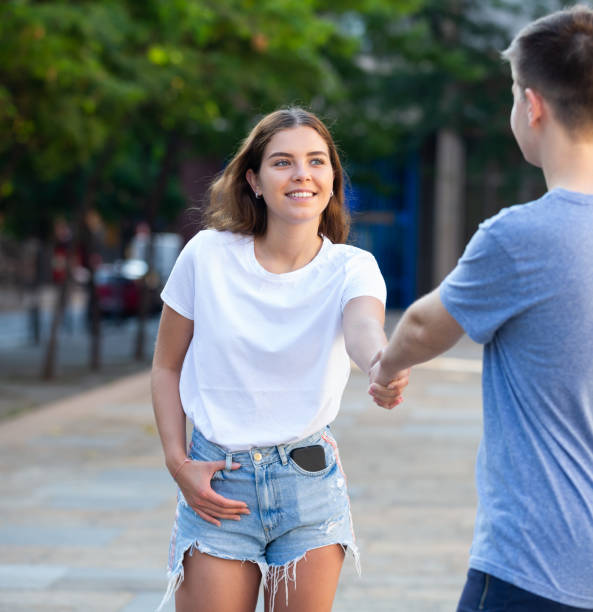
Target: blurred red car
[{"x": 118, "y": 288}]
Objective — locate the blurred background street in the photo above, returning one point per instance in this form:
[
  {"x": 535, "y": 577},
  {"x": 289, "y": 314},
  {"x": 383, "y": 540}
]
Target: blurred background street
[
  {"x": 87, "y": 505},
  {"x": 114, "y": 119},
  {"x": 22, "y": 386}
]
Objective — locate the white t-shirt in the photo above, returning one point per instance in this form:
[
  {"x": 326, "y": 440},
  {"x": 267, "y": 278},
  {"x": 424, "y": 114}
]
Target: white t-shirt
[{"x": 267, "y": 363}]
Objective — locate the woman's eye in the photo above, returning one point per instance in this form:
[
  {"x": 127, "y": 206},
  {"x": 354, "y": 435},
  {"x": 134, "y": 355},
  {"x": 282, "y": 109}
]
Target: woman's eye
[
  {"x": 317, "y": 161},
  {"x": 281, "y": 162}
]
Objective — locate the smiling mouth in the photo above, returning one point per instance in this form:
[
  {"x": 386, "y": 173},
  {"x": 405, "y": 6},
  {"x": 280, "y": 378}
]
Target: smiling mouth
[{"x": 300, "y": 195}]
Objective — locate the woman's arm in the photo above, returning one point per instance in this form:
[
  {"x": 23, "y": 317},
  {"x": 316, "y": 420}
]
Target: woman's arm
[
  {"x": 175, "y": 334},
  {"x": 362, "y": 321}
]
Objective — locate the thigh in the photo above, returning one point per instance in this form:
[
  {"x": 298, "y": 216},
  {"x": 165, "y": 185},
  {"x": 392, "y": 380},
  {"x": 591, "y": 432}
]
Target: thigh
[
  {"x": 311, "y": 585},
  {"x": 212, "y": 584}
]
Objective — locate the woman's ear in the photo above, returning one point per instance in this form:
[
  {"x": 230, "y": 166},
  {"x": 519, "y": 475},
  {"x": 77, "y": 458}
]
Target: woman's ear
[{"x": 252, "y": 180}]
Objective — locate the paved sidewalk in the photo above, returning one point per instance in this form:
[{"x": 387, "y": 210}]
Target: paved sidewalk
[{"x": 86, "y": 505}]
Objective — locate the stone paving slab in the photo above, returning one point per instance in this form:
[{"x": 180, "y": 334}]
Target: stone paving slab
[
  {"x": 50, "y": 536},
  {"x": 86, "y": 505}
]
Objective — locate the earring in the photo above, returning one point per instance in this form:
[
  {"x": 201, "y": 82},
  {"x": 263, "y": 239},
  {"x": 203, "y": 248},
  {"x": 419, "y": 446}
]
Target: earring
[
  {"x": 331, "y": 195},
  {"x": 257, "y": 195}
]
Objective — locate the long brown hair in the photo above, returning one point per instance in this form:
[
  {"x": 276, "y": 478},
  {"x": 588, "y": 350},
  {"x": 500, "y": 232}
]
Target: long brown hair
[{"x": 232, "y": 204}]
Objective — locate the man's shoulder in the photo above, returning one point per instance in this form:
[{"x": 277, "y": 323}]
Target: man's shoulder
[
  {"x": 514, "y": 215},
  {"x": 513, "y": 224}
]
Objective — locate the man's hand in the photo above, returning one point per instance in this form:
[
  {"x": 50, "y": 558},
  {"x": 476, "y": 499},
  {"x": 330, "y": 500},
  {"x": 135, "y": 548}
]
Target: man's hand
[{"x": 386, "y": 392}]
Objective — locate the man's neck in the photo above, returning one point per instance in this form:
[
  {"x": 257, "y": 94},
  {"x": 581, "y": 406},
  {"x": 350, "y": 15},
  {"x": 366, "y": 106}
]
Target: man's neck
[{"x": 568, "y": 163}]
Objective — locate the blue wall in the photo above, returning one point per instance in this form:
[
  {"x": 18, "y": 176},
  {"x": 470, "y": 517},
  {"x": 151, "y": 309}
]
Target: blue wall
[{"x": 385, "y": 222}]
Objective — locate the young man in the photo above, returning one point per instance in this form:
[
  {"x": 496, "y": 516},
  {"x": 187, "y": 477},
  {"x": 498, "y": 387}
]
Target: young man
[{"x": 524, "y": 289}]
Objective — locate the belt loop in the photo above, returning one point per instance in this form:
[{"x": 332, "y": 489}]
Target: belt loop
[
  {"x": 229, "y": 462},
  {"x": 282, "y": 453}
]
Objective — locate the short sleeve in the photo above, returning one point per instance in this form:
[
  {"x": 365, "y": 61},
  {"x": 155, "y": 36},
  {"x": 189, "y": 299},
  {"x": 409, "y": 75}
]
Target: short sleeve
[
  {"x": 179, "y": 290},
  {"x": 363, "y": 278},
  {"x": 481, "y": 293}
]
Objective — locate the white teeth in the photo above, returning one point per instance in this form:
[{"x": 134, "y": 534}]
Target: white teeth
[{"x": 301, "y": 194}]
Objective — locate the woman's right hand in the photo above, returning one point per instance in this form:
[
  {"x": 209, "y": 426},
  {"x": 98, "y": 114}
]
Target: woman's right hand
[{"x": 194, "y": 481}]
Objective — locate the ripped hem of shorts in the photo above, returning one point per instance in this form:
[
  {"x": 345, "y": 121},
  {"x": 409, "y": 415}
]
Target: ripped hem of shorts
[{"x": 272, "y": 575}]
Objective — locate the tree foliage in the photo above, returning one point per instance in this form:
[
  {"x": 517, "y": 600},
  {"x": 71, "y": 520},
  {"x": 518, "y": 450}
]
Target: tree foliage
[{"x": 77, "y": 78}]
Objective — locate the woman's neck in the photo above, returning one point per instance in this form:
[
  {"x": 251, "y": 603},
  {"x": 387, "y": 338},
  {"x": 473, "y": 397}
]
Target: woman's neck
[{"x": 285, "y": 250}]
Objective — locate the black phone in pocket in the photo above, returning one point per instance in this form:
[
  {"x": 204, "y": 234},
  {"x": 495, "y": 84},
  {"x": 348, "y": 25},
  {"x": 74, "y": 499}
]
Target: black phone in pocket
[{"x": 310, "y": 458}]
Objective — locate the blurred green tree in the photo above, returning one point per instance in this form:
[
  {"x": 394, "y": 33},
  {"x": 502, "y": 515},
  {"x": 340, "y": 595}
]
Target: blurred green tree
[
  {"x": 85, "y": 84},
  {"x": 64, "y": 90},
  {"x": 432, "y": 80},
  {"x": 99, "y": 100}
]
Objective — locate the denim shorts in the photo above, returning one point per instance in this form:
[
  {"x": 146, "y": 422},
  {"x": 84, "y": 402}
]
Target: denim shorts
[
  {"x": 490, "y": 594},
  {"x": 292, "y": 510}
]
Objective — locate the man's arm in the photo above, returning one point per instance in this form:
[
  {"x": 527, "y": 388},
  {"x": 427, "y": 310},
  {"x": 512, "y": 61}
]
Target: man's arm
[
  {"x": 425, "y": 331},
  {"x": 362, "y": 322}
]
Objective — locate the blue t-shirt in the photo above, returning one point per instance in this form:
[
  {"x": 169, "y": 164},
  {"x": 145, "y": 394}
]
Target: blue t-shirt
[{"x": 524, "y": 289}]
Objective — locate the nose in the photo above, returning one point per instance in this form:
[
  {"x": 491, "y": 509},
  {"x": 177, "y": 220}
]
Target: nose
[{"x": 301, "y": 172}]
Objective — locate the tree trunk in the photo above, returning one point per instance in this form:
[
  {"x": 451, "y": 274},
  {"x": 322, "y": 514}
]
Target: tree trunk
[
  {"x": 49, "y": 362},
  {"x": 95, "y": 325},
  {"x": 89, "y": 242},
  {"x": 35, "y": 294},
  {"x": 80, "y": 237},
  {"x": 168, "y": 164},
  {"x": 448, "y": 199}
]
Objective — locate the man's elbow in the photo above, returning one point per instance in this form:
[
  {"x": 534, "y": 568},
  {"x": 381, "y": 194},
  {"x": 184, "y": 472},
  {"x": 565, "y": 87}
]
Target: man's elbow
[
  {"x": 419, "y": 331},
  {"x": 434, "y": 331}
]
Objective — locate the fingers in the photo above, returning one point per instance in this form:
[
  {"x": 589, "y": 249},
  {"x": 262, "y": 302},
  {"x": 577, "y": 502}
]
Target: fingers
[
  {"x": 389, "y": 405},
  {"x": 207, "y": 517},
  {"x": 219, "y": 502},
  {"x": 389, "y": 396},
  {"x": 200, "y": 496},
  {"x": 204, "y": 507},
  {"x": 221, "y": 465},
  {"x": 215, "y": 505},
  {"x": 386, "y": 397},
  {"x": 377, "y": 390},
  {"x": 223, "y": 503},
  {"x": 215, "y": 514},
  {"x": 400, "y": 381}
]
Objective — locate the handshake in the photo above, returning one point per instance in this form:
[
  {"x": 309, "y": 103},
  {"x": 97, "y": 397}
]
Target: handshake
[{"x": 385, "y": 387}]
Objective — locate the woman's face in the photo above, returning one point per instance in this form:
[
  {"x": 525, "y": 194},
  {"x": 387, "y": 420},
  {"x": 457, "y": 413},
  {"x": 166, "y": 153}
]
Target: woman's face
[{"x": 295, "y": 177}]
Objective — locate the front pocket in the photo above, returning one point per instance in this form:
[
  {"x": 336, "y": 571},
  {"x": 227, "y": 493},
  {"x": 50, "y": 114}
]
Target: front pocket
[
  {"x": 310, "y": 458},
  {"x": 482, "y": 603},
  {"x": 330, "y": 461}
]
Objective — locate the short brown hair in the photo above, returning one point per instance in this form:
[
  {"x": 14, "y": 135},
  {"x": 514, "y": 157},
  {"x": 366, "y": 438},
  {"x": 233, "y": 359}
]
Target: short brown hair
[
  {"x": 232, "y": 204},
  {"x": 554, "y": 56}
]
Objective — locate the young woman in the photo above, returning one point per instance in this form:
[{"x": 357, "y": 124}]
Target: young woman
[{"x": 262, "y": 313}]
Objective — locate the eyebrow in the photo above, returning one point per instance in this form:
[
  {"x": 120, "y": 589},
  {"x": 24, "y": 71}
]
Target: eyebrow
[{"x": 281, "y": 154}]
